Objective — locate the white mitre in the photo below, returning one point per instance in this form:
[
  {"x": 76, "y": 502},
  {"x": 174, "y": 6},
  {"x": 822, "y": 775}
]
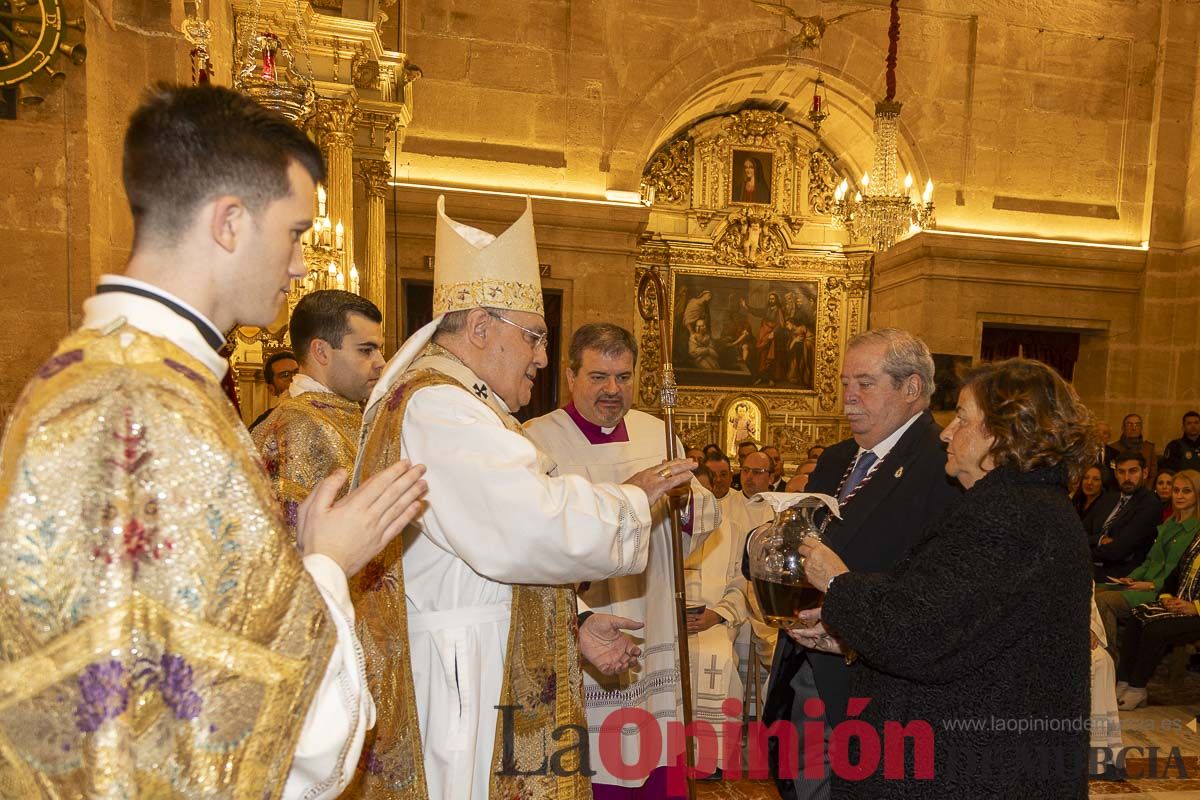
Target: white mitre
[{"x": 473, "y": 268}]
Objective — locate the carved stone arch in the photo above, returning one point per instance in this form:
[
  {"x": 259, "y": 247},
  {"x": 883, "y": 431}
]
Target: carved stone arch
[
  {"x": 848, "y": 134},
  {"x": 652, "y": 116}
]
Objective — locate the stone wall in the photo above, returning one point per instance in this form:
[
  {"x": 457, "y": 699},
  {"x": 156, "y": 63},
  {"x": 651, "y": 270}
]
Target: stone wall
[
  {"x": 1028, "y": 123},
  {"x": 946, "y": 287},
  {"x": 1044, "y": 121},
  {"x": 589, "y": 250},
  {"x": 1073, "y": 121},
  {"x": 65, "y": 221}
]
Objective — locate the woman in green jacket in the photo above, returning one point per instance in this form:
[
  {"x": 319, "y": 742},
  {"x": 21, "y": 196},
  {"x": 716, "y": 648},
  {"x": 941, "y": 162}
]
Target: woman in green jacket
[{"x": 1116, "y": 600}]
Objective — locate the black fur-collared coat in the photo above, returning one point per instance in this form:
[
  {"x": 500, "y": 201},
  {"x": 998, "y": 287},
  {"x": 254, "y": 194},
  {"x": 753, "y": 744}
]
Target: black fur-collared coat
[{"x": 983, "y": 632}]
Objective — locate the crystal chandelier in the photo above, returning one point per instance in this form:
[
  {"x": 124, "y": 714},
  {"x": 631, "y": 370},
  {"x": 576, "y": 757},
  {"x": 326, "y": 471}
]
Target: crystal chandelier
[{"x": 881, "y": 211}]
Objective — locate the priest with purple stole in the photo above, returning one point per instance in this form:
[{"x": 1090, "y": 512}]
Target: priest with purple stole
[{"x": 599, "y": 437}]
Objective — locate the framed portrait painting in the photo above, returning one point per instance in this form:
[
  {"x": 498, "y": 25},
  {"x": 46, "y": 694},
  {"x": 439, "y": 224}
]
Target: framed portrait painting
[
  {"x": 744, "y": 332},
  {"x": 751, "y": 172}
]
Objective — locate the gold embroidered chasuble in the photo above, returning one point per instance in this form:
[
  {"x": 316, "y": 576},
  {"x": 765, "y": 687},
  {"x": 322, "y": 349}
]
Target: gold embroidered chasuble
[
  {"x": 159, "y": 635},
  {"x": 306, "y": 438},
  {"x": 542, "y": 671}
]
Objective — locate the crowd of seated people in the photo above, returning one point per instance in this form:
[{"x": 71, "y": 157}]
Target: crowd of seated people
[
  {"x": 1090, "y": 487},
  {"x": 1146, "y": 554}
]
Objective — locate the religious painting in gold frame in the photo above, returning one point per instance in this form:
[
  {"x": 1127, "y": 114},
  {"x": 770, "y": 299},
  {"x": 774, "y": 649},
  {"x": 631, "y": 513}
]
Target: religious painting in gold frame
[
  {"x": 752, "y": 173},
  {"x": 741, "y": 420},
  {"x": 747, "y": 331}
]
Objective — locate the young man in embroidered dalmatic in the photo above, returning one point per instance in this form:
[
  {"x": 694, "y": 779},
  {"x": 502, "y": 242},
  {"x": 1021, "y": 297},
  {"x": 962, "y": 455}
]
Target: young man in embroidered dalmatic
[
  {"x": 164, "y": 634},
  {"x": 338, "y": 340},
  {"x": 487, "y": 572},
  {"x": 599, "y": 437}
]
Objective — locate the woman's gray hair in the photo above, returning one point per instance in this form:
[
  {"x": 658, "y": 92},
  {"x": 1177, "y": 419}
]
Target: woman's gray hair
[{"x": 903, "y": 355}]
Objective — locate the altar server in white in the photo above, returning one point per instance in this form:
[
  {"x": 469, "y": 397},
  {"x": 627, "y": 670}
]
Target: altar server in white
[{"x": 598, "y": 436}]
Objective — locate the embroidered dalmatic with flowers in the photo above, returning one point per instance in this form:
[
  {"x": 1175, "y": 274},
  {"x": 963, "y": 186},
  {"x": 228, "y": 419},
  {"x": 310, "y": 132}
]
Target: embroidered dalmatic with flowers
[
  {"x": 159, "y": 635},
  {"x": 307, "y": 437}
]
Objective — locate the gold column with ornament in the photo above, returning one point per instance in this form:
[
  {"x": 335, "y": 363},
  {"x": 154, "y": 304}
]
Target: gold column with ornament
[
  {"x": 376, "y": 175},
  {"x": 334, "y": 124}
]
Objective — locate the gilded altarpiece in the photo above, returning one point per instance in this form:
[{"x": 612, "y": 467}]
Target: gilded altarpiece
[{"x": 762, "y": 295}]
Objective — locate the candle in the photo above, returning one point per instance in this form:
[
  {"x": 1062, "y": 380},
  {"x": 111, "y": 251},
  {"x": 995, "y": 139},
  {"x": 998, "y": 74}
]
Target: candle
[
  {"x": 353, "y": 278},
  {"x": 928, "y": 191},
  {"x": 320, "y": 200},
  {"x": 339, "y": 236}
]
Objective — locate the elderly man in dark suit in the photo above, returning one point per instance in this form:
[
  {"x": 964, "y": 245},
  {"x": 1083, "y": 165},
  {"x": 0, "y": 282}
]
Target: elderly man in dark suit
[{"x": 890, "y": 480}]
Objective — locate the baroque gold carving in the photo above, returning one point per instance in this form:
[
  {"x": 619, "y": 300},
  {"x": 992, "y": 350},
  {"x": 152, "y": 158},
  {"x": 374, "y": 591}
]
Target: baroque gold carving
[
  {"x": 650, "y": 362},
  {"x": 695, "y": 434},
  {"x": 670, "y": 173},
  {"x": 365, "y": 72},
  {"x": 751, "y": 238},
  {"x": 334, "y": 122},
  {"x": 793, "y": 404},
  {"x": 376, "y": 175},
  {"x": 793, "y": 438},
  {"x": 755, "y": 127},
  {"x": 829, "y": 346},
  {"x": 822, "y": 180}
]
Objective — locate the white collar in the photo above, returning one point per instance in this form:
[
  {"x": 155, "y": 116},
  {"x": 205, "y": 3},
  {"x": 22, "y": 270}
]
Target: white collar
[
  {"x": 302, "y": 383},
  {"x": 883, "y": 448},
  {"x": 398, "y": 364},
  {"x": 412, "y": 350},
  {"x": 154, "y": 318}
]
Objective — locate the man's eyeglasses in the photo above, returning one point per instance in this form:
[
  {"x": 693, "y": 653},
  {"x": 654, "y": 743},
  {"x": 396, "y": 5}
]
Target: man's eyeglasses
[
  {"x": 755, "y": 470},
  {"x": 536, "y": 339}
]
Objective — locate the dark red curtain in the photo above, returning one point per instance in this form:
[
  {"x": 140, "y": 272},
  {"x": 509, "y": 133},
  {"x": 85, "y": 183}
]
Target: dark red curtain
[{"x": 1059, "y": 349}]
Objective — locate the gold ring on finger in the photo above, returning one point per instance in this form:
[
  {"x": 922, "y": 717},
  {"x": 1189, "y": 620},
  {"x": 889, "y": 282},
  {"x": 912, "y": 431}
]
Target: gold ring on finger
[{"x": 664, "y": 472}]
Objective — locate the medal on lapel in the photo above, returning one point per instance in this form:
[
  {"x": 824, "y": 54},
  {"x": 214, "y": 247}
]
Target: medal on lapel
[{"x": 898, "y": 473}]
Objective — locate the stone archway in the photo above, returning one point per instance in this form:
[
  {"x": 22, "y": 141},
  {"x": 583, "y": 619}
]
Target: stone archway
[{"x": 736, "y": 61}]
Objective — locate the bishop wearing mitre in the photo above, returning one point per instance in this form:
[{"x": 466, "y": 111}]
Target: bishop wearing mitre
[{"x": 481, "y": 586}]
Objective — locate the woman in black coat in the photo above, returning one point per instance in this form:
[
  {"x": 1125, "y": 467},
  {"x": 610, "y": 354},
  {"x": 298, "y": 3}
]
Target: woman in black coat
[{"x": 982, "y": 632}]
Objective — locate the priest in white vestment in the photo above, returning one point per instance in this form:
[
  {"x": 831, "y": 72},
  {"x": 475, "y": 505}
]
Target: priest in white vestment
[
  {"x": 742, "y": 517},
  {"x": 1105, "y": 731},
  {"x": 497, "y": 527},
  {"x": 599, "y": 437},
  {"x": 713, "y": 571}
]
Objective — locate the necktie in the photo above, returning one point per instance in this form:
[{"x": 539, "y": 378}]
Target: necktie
[
  {"x": 861, "y": 468},
  {"x": 1116, "y": 512}
]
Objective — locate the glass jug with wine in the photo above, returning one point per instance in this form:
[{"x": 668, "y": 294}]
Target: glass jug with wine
[{"x": 776, "y": 569}]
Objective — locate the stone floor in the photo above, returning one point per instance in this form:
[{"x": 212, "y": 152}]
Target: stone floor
[{"x": 1163, "y": 724}]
